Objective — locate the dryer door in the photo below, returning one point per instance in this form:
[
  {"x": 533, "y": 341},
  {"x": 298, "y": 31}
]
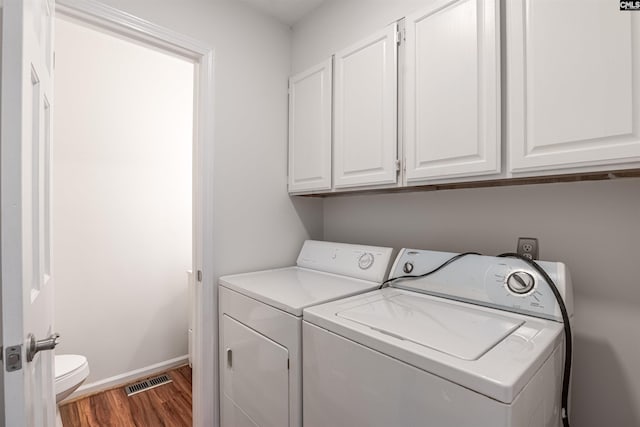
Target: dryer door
[{"x": 255, "y": 378}]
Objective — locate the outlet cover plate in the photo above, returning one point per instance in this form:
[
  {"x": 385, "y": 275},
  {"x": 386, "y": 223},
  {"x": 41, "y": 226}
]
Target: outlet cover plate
[{"x": 528, "y": 247}]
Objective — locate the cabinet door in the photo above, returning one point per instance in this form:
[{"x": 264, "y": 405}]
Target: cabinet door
[
  {"x": 255, "y": 378},
  {"x": 310, "y": 129},
  {"x": 573, "y": 69},
  {"x": 365, "y": 133},
  {"x": 452, "y": 90}
]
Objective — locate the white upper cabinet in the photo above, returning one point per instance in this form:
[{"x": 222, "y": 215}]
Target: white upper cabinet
[
  {"x": 573, "y": 70},
  {"x": 310, "y": 129},
  {"x": 452, "y": 90},
  {"x": 365, "y": 109}
]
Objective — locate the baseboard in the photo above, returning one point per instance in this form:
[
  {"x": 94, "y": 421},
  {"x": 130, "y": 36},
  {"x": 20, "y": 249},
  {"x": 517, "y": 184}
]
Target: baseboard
[{"x": 127, "y": 377}]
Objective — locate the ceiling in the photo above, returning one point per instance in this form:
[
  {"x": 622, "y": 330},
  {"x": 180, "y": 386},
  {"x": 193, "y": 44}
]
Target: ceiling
[{"x": 287, "y": 11}]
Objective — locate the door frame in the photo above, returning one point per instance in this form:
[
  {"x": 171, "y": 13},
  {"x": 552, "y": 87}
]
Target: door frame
[{"x": 205, "y": 360}]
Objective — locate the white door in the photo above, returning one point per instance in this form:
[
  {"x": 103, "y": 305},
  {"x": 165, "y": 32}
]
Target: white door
[
  {"x": 310, "y": 129},
  {"x": 573, "y": 79},
  {"x": 27, "y": 282},
  {"x": 365, "y": 111},
  {"x": 452, "y": 91},
  {"x": 255, "y": 378}
]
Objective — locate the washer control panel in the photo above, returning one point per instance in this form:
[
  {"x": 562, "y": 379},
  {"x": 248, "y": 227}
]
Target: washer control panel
[{"x": 504, "y": 283}]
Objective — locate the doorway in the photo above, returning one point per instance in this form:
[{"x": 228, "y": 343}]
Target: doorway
[
  {"x": 143, "y": 35},
  {"x": 121, "y": 201}
]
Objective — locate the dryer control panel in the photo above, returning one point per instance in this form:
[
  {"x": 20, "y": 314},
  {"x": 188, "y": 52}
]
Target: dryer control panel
[
  {"x": 503, "y": 283},
  {"x": 358, "y": 261}
]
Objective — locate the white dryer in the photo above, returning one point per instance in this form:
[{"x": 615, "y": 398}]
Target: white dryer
[
  {"x": 479, "y": 343},
  {"x": 260, "y": 318}
]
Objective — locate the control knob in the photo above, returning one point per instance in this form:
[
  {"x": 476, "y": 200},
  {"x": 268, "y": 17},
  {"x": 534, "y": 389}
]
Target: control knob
[
  {"x": 407, "y": 267},
  {"x": 365, "y": 261},
  {"x": 520, "y": 282}
]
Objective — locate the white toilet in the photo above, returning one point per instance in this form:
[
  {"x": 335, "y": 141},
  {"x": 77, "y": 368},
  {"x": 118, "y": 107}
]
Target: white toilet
[{"x": 70, "y": 371}]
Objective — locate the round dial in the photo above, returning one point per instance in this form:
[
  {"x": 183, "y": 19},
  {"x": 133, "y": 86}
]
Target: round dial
[
  {"x": 407, "y": 267},
  {"x": 520, "y": 282},
  {"x": 365, "y": 261}
]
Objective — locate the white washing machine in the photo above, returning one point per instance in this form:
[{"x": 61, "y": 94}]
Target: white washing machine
[
  {"x": 479, "y": 343},
  {"x": 261, "y": 328}
]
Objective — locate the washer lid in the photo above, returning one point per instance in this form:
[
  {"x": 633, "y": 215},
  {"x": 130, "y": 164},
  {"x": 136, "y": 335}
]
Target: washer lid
[
  {"x": 292, "y": 289},
  {"x": 432, "y": 333},
  {"x": 463, "y": 332}
]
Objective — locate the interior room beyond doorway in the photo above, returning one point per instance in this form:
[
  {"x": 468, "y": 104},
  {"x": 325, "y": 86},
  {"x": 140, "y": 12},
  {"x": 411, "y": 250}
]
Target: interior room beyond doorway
[{"x": 122, "y": 202}]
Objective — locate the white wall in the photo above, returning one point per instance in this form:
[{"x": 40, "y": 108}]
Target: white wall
[
  {"x": 256, "y": 224},
  {"x": 591, "y": 226},
  {"x": 338, "y": 23},
  {"x": 121, "y": 200},
  {"x": 1, "y": 328}
]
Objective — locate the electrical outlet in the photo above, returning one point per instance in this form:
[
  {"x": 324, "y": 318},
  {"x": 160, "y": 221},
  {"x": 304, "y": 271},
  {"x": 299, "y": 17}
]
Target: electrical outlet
[{"x": 528, "y": 247}]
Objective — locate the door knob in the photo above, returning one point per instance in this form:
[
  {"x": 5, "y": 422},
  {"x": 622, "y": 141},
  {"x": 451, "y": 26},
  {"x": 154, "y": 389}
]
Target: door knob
[{"x": 46, "y": 344}]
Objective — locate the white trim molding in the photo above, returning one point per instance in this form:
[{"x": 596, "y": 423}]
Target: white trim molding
[
  {"x": 127, "y": 377},
  {"x": 205, "y": 357},
  {"x": 101, "y": 15}
]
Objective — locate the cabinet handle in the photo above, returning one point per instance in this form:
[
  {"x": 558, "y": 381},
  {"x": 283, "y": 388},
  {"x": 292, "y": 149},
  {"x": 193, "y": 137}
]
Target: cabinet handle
[{"x": 229, "y": 358}]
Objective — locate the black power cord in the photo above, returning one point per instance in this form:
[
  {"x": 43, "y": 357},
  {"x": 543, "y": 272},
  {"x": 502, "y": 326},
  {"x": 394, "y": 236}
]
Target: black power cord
[
  {"x": 566, "y": 376},
  {"x": 438, "y": 268}
]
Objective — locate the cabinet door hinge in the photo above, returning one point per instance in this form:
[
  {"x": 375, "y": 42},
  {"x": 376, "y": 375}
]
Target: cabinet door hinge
[
  {"x": 288, "y": 364},
  {"x": 399, "y": 37},
  {"x": 398, "y": 165},
  {"x": 199, "y": 276}
]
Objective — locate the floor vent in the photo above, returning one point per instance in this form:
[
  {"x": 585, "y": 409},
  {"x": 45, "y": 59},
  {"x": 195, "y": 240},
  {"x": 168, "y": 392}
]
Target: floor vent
[{"x": 146, "y": 385}]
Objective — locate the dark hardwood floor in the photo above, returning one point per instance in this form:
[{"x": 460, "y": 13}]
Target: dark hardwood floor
[{"x": 167, "y": 405}]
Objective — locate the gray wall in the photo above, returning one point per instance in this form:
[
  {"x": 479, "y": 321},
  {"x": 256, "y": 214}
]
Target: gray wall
[{"x": 591, "y": 226}]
